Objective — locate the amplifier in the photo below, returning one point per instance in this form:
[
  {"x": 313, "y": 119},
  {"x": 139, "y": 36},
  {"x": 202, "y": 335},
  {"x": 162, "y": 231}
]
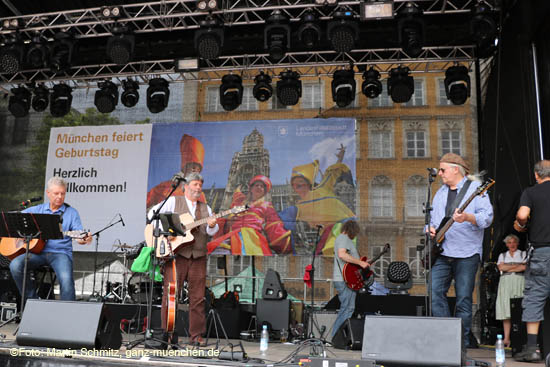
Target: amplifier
[{"x": 322, "y": 323}]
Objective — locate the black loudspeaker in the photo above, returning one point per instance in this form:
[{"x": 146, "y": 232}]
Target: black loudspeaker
[
  {"x": 273, "y": 287},
  {"x": 350, "y": 335},
  {"x": 67, "y": 324},
  {"x": 413, "y": 341},
  {"x": 274, "y": 312}
]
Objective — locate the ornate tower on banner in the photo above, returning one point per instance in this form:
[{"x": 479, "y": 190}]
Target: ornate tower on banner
[{"x": 252, "y": 160}]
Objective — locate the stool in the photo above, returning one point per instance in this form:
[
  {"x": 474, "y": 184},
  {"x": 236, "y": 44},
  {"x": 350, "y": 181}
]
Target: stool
[{"x": 42, "y": 289}]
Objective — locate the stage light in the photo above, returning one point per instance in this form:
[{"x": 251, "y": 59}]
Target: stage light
[
  {"x": 277, "y": 35},
  {"x": 262, "y": 89},
  {"x": 410, "y": 28},
  {"x": 398, "y": 277},
  {"x": 10, "y": 24},
  {"x": 207, "y": 5},
  {"x": 343, "y": 31},
  {"x": 209, "y": 39},
  {"x": 120, "y": 46},
  {"x": 400, "y": 85},
  {"x": 106, "y": 98},
  {"x": 371, "y": 87},
  {"x": 457, "y": 84},
  {"x": 484, "y": 30},
  {"x": 231, "y": 92},
  {"x": 130, "y": 95},
  {"x": 157, "y": 95},
  {"x": 11, "y": 56},
  {"x": 326, "y": 2},
  {"x": 309, "y": 33},
  {"x": 343, "y": 87},
  {"x": 19, "y": 102},
  {"x": 61, "y": 100},
  {"x": 375, "y": 9},
  {"x": 41, "y": 98},
  {"x": 61, "y": 52},
  {"x": 37, "y": 53},
  {"x": 289, "y": 88},
  {"x": 110, "y": 11}
]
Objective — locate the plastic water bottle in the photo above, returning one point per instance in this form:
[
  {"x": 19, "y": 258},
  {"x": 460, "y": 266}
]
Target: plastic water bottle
[
  {"x": 500, "y": 356},
  {"x": 264, "y": 341}
]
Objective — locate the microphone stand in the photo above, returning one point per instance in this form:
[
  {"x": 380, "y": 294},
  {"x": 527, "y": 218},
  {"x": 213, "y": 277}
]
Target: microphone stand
[
  {"x": 95, "y": 296},
  {"x": 311, "y": 321},
  {"x": 427, "y": 248}
]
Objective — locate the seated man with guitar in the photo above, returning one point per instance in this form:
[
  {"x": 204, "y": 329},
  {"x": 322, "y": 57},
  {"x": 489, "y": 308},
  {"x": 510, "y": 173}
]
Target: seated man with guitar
[
  {"x": 461, "y": 246},
  {"x": 56, "y": 253},
  {"x": 345, "y": 252},
  {"x": 188, "y": 261}
]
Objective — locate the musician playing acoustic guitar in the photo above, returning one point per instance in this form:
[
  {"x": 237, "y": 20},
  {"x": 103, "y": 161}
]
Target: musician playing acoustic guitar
[
  {"x": 56, "y": 253},
  {"x": 462, "y": 246},
  {"x": 191, "y": 259},
  {"x": 345, "y": 251}
]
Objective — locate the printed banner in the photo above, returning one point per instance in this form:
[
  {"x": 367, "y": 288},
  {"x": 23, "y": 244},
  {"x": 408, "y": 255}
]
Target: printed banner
[{"x": 105, "y": 168}]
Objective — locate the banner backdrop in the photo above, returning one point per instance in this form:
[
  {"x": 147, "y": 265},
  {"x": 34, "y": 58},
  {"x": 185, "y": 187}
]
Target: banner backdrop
[
  {"x": 296, "y": 176},
  {"x": 106, "y": 169}
]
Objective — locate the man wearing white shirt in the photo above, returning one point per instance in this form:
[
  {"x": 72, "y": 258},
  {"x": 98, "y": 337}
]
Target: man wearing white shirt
[{"x": 191, "y": 259}]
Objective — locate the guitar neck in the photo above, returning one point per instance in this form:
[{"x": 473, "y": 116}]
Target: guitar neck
[
  {"x": 450, "y": 222},
  {"x": 205, "y": 220}
]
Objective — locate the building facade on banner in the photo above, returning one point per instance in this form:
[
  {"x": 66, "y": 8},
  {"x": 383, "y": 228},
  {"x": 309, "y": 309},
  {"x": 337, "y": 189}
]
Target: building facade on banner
[{"x": 396, "y": 143}]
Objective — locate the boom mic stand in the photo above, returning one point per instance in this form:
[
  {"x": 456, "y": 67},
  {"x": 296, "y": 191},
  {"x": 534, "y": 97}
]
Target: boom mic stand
[
  {"x": 428, "y": 244},
  {"x": 311, "y": 319}
]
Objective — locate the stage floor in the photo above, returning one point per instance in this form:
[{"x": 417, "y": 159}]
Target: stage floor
[{"x": 279, "y": 353}]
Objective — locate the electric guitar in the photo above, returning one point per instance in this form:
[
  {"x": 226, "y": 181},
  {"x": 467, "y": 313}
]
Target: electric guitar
[
  {"x": 13, "y": 247},
  {"x": 174, "y": 243},
  {"x": 447, "y": 222},
  {"x": 356, "y": 277}
]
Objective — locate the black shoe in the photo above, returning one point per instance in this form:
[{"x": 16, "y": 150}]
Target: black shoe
[{"x": 528, "y": 354}]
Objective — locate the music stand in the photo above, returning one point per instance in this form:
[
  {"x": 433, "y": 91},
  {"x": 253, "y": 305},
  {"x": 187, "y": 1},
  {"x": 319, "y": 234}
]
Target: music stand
[{"x": 29, "y": 226}]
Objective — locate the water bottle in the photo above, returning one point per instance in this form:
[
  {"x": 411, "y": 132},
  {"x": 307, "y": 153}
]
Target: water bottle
[
  {"x": 264, "y": 340},
  {"x": 500, "y": 357}
]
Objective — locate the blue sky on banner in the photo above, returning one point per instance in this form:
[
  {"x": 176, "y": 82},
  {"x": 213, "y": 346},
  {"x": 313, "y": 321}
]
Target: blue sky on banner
[{"x": 289, "y": 143}]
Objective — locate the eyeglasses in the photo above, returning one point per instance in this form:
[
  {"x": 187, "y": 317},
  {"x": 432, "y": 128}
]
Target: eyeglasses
[{"x": 442, "y": 170}]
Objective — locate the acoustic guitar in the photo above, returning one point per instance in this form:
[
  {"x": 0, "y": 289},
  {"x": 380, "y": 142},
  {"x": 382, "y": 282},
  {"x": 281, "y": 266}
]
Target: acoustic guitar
[
  {"x": 188, "y": 224},
  {"x": 356, "y": 277},
  {"x": 171, "y": 310},
  {"x": 13, "y": 247}
]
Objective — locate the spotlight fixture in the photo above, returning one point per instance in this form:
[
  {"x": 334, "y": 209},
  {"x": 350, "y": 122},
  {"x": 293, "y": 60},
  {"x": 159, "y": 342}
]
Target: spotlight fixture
[
  {"x": 343, "y": 31},
  {"x": 130, "y": 96},
  {"x": 376, "y": 9},
  {"x": 38, "y": 52},
  {"x": 207, "y": 5},
  {"x": 106, "y": 98},
  {"x": 61, "y": 100},
  {"x": 262, "y": 89},
  {"x": 343, "y": 87},
  {"x": 111, "y": 12},
  {"x": 19, "y": 102},
  {"x": 457, "y": 84},
  {"x": 157, "y": 95},
  {"x": 289, "y": 88},
  {"x": 41, "y": 98},
  {"x": 11, "y": 56},
  {"x": 120, "y": 46},
  {"x": 398, "y": 277},
  {"x": 277, "y": 35},
  {"x": 231, "y": 92},
  {"x": 484, "y": 30},
  {"x": 410, "y": 28},
  {"x": 209, "y": 39},
  {"x": 371, "y": 87},
  {"x": 10, "y": 24},
  {"x": 309, "y": 33},
  {"x": 400, "y": 84},
  {"x": 61, "y": 52}
]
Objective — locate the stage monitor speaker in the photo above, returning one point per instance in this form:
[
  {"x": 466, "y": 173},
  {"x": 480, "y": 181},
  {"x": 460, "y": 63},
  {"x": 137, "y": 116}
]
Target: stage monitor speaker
[
  {"x": 413, "y": 341},
  {"x": 273, "y": 287},
  {"x": 67, "y": 324},
  {"x": 274, "y": 312},
  {"x": 350, "y": 335}
]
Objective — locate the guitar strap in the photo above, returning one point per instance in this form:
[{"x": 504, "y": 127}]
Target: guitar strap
[{"x": 449, "y": 210}]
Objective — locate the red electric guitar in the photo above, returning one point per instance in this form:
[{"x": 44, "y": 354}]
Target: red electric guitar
[{"x": 356, "y": 277}]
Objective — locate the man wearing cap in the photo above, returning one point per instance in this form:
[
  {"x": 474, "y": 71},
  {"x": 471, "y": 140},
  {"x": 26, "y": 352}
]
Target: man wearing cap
[
  {"x": 462, "y": 246},
  {"x": 534, "y": 207}
]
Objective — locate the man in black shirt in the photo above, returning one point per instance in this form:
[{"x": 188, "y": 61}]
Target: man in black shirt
[{"x": 534, "y": 207}]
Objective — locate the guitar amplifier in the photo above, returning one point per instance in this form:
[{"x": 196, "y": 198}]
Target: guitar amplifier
[{"x": 322, "y": 323}]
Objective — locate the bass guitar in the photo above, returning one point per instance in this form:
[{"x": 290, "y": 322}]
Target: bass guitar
[
  {"x": 356, "y": 277},
  {"x": 13, "y": 247},
  {"x": 447, "y": 222},
  {"x": 188, "y": 224}
]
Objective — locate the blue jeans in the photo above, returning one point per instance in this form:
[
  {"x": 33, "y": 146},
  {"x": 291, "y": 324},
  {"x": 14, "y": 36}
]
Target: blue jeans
[
  {"x": 347, "y": 305},
  {"x": 463, "y": 270},
  {"x": 62, "y": 264}
]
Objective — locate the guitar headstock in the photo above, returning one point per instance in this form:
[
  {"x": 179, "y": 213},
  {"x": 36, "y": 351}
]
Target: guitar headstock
[
  {"x": 386, "y": 248},
  {"x": 485, "y": 186},
  {"x": 239, "y": 209}
]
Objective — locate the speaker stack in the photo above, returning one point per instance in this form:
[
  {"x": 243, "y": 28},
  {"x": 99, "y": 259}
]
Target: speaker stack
[{"x": 273, "y": 308}]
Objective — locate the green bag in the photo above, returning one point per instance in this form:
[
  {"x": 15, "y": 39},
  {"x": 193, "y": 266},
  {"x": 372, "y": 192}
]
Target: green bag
[{"x": 143, "y": 264}]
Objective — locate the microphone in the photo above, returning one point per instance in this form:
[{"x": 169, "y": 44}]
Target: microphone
[
  {"x": 320, "y": 226},
  {"x": 121, "y": 220},
  {"x": 433, "y": 171},
  {"x": 31, "y": 200},
  {"x": 178, "y": 178}
]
